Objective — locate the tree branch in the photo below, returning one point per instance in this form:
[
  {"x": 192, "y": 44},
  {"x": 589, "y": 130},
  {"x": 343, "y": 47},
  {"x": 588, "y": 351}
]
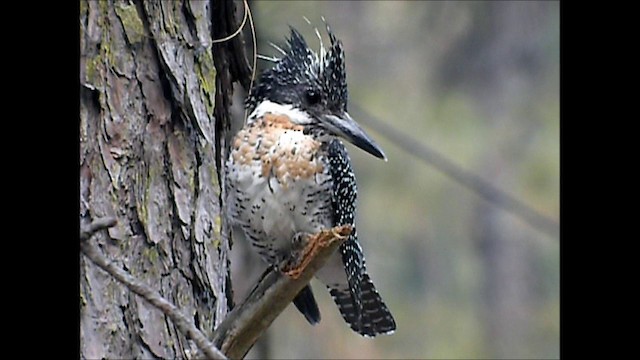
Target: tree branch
[
  {"x": 244, "y": 324},
  {"x": 183, "y": 323},
  {"x": 466, "y": 178},
  {"x": 98, "y": 224}
]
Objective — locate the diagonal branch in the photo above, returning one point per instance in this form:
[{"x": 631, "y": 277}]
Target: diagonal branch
[
  {"x": 244, "y": 324},
  {"x": 184, "y": 324},
  {"x": 466, "y": 178}
]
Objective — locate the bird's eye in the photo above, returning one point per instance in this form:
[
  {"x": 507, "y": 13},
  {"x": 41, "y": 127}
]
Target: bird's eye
[{"x": 313, "y": 97}]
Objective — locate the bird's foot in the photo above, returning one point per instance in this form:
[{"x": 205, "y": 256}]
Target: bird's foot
[{"x": 305, "y": 246}]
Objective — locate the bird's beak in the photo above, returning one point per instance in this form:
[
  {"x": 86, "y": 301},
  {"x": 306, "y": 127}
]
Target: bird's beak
[{"x": 344, "y": 126}]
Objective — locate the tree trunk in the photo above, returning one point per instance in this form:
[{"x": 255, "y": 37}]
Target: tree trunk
[{"x": 153, "y": 117}]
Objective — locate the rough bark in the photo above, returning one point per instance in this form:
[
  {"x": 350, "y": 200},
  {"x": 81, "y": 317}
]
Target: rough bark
[{"x": 150, "y": 157}]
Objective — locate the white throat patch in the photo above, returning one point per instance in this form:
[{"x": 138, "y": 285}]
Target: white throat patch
[{"x": 296, "y": 115}]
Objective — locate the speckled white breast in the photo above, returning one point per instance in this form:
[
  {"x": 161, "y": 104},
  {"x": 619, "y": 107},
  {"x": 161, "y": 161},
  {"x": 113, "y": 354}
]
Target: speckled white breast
[{"x": 278, "y": 184}]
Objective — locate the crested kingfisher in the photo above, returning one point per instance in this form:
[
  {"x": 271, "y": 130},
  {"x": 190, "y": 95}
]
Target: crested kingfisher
[{"x": 289, "y": 175}]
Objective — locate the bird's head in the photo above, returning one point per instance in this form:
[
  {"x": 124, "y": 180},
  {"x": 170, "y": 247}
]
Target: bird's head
[{"x": 312, "y": 89}]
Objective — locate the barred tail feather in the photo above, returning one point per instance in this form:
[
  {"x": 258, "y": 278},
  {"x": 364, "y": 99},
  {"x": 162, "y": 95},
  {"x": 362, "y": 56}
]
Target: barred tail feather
[{"x": 375, "y": 317}]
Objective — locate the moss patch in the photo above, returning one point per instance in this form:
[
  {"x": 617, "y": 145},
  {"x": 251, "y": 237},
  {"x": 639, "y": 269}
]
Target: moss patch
[
  {"x": 91, "y": 70},
  {"x": 206, "y": 73},
  {"x": 131, "y": 22}
]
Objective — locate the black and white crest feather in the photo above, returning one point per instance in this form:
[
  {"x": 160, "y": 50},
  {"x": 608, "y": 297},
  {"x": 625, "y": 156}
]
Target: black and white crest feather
[{"x": 322, "y": 72}]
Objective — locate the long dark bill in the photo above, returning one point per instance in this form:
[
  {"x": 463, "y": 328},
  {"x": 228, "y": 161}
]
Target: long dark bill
[{"x": 347, "y": 128}]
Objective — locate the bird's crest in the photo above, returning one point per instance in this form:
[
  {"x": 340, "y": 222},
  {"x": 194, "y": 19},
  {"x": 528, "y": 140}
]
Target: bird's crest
[{"x": 300, "y": 65}]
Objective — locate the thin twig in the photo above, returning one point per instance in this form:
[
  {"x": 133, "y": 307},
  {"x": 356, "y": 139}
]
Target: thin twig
[
  {"x": 235, "y": 33},
  {"x": 183, "y": 323},
  {"x": 246, "y": 322}
]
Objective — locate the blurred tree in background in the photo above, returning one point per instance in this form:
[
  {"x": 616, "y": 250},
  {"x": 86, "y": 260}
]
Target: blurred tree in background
[{"x": 479, "y": 82}]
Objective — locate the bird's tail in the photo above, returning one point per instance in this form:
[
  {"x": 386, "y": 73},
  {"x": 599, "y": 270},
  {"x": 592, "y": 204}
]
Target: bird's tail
[
  {"x": 306, "y": 304},
  {"x": 372, "y": 318}
]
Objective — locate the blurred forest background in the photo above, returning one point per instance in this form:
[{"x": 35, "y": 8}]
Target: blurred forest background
[{"x": 479, "y": 83}]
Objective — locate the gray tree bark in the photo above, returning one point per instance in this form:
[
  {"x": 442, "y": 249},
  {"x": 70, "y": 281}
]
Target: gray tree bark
[{"x": 154, "y": 97}]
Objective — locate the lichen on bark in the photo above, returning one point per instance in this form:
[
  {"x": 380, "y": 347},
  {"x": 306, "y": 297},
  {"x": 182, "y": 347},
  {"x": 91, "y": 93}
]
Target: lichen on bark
[{"x": 148, "y": 158}]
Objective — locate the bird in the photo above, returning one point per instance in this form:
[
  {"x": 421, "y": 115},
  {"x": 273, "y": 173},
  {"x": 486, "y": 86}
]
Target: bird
[{"x": 289, "y": 175}]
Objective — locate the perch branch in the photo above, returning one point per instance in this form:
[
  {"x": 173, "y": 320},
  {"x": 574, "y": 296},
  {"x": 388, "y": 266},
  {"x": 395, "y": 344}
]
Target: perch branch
[
  {"x": 245, "y": 323},
  {"x": 181, "y": 321}
]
